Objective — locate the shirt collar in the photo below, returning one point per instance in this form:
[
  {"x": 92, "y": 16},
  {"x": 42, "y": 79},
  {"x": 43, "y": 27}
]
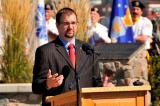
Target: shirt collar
[{"x": 66, "y": 43}]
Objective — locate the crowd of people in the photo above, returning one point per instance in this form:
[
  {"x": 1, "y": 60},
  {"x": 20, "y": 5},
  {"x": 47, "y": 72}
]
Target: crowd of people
[
  {"x": 54, "y": 71},
  {"x": 145, "y": 28}
]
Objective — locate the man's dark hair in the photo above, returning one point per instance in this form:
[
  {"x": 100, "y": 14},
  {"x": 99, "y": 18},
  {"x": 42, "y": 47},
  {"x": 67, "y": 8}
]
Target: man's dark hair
[
  {"x": 48, "y": 4},
  {"x": 65, "y": 10},
  {"x": 95, "y": 9}
]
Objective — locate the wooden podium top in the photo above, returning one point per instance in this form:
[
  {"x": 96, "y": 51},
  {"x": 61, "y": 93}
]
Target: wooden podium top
[
  {"x": 98, "y": 89},
  {"x": 116, "y": 89}
]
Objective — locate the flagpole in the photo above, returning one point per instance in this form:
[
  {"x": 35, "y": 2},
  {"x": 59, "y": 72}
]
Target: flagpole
[{"x": 41, "y": 24}]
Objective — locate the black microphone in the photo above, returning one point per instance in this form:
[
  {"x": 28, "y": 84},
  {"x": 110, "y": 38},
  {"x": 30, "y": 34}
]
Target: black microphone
[
  {"x": 138, "y": 83},
  {"x": 89, "y": 49},
  {"x": 65, "y": 71}
]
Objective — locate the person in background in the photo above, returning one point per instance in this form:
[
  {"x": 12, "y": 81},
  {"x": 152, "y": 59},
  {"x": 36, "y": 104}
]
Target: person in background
[
  {"x": 107, "y": 11},
  {"x": 142, "y": 26},
  {"x": 50, "y": 22},
  {"x": 57, "y": 63},
  {"x": 156, "y": 41},
  {"x": 152, "y": 16},
  {"x": 108, "y": 78},
  {"x": 97, "y": 32}
]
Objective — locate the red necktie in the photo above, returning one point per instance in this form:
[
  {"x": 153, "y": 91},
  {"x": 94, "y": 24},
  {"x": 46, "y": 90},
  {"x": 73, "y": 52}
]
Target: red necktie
[{"x": 72, "y": 54}]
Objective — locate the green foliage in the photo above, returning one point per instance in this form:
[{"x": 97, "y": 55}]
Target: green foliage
[
  {"x": 16, "y": 27},
  {"x": 16, "y": 67},
  {"x": 155, "y": 80}
]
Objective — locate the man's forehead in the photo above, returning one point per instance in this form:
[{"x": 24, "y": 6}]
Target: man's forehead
[
  {"x": 94, "y": 12},
  {"x": 66, "y": 15},
  {"x": 136, "y": 8}
]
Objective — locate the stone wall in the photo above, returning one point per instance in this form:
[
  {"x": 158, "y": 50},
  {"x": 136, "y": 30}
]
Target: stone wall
[
  {"x": 19, "y": 94},
  {"x": 121, "y": 72}
]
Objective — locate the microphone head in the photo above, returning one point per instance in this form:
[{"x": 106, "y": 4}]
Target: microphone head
[{"x": 87, "y": 48}]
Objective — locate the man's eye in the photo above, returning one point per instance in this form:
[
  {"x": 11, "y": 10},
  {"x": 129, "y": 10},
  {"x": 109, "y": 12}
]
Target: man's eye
[{"x": 68, "y": 23}]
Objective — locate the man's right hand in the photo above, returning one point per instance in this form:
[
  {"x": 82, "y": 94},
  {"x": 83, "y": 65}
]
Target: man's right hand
[{"x": 54, "y": 80}]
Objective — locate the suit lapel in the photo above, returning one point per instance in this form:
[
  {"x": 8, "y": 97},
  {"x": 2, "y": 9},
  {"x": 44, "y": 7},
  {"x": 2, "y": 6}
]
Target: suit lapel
[
  {"x": 61, "y": 49},
  {"x": 81, "y": 57}
]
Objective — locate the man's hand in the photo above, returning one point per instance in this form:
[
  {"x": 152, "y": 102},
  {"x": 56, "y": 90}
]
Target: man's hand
[
  {"x": 54, "y": 80},
  {"x": 143, "y": 38},
  {"x": 52, "y": 35}
]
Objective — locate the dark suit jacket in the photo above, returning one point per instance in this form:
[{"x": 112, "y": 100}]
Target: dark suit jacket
[{"x": 54, "y": 56}]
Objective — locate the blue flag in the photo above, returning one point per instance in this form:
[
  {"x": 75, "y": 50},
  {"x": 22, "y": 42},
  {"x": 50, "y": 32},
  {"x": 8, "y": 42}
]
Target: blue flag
[
  {"x": 121, "y": 22},
  {"x": 41, "y": 23}
]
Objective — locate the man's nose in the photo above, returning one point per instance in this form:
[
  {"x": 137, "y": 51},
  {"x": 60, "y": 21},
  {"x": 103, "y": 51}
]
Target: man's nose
[{"x": 70, "y": 25}]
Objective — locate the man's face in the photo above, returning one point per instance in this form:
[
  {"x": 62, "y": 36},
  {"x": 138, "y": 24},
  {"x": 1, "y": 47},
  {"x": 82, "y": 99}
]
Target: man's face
[
  {"x": 94, "y": 17},
  {"x": 48, "y": 14},
  {"x": 68, "y": 26},
  {"x": 136, "y": 12}
]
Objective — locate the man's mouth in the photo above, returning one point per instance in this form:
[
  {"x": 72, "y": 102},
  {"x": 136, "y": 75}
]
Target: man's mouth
[{"x": 135, "y": 14}]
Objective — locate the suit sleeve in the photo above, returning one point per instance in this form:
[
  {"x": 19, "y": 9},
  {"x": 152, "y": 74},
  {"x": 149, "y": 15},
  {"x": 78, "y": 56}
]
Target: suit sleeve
[{"x": 40, "y": 71}]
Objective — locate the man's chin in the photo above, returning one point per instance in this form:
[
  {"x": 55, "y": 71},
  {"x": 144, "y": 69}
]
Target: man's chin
[{"x": 69, "y": 36}]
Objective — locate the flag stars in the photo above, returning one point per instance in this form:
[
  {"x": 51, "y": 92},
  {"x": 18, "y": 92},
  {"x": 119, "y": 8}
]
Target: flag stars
[
  {"x": 119, "y": 5},
  {"x": 125, "y": 6}
]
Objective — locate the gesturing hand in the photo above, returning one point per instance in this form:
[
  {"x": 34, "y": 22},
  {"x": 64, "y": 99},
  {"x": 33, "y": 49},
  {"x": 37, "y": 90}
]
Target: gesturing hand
[{"x": 54, "y": 80}]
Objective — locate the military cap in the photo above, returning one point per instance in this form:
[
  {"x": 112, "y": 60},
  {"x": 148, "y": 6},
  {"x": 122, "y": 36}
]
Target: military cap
[
  {"x": 48, "y": 6},
  {"x": 95, "y": 9},
  {"x": 137, "y": 4}
]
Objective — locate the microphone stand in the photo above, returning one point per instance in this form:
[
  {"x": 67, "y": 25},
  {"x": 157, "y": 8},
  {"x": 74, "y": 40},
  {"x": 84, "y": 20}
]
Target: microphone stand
[
  {"x": 88, "y": 50},
  {"x": 77, "y": 88}
]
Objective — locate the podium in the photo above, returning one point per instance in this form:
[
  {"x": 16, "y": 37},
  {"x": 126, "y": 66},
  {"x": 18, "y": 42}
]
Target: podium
[{"x": 104, "y": 96}]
